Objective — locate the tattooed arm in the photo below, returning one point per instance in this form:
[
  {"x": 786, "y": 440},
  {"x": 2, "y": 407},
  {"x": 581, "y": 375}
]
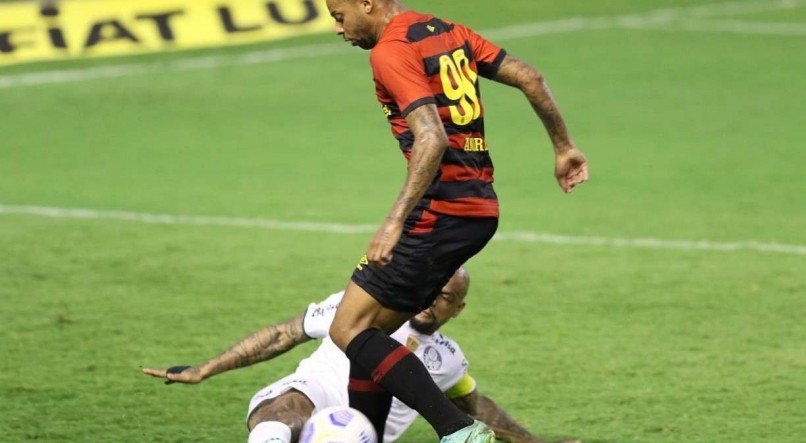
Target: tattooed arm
[
  {"x": 263, "y": 345},
  {"x": 506, "y": 428},
  {"x": 430, "y": 143},
  {"x": 571, "y": 167}
]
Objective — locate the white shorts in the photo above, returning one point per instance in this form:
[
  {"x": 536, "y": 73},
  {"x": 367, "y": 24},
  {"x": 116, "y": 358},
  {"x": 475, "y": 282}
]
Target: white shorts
[{"x": 320, "y": 389}]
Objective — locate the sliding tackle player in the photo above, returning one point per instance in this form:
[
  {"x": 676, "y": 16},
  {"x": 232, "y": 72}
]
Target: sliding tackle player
[{"x": 278, "y": 412}]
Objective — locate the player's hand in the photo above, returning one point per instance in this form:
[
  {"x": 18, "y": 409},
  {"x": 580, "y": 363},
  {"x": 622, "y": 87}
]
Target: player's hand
[
  {"x": 177, "y": 374},
  {"x": 379, "y": 253},
  {"x": 570, "y": 168}
]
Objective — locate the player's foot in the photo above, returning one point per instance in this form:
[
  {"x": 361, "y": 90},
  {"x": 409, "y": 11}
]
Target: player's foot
[{"x": 478, "y": 432}]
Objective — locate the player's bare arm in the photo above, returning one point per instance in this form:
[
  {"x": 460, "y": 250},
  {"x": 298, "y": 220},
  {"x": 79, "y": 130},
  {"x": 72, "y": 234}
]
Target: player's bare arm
[
  {"x": 506, "y": 428},
  {"x": 571, "y": 167},
  {"x": 263, "y": 345},
  {"x": 430, "y": 143}
]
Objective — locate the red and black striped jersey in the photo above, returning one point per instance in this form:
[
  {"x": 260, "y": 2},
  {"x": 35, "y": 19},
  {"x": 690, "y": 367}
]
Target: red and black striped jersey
[{"x": 419, "y": 60}]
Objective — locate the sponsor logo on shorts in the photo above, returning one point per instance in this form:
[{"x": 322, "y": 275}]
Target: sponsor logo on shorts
[
  {"x": 272, "y": 391},
  {"x": 363, "y": 262}
]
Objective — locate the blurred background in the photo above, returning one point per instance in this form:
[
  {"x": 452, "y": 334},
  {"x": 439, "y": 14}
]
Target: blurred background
[{"x": 176, "y": 174}]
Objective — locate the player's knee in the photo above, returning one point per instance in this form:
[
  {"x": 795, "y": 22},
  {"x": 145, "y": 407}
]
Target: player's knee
[
  {"x": 292, "y": 409},
  {"x": 342, "y": 334},
  {"x": 263, "y": 414}
]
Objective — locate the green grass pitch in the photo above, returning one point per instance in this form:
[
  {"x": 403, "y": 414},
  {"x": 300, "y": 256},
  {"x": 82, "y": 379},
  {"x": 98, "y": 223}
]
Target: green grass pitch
[{"x": 691, "y": 135}]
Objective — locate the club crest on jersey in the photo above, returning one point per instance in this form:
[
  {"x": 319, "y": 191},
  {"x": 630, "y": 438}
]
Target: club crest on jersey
[
  {"x": 412, "y": 343},
  {"x": 432, "y": 359}
]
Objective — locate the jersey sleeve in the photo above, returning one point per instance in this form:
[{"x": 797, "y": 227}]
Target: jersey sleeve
[
  {"x": 319, "y": 316},
  {"x": 463, "y": 383},
  {"x": 487, "y": 54},
  {"x": 459, "y": 381},
  {"x": 398, "y": 68},
  {"x": 462, "y": 388}
]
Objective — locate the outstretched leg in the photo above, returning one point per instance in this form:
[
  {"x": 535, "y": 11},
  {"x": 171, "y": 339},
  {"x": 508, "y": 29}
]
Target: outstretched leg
[{"x": 280, "y": 419}]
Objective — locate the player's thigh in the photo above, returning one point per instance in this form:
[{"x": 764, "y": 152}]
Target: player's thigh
[
  {"x": 424, "y": 260},
  {"x": 460, "y": 239},
  {"x": 407, "y": 284},
  {"x": 359, "y": 311},
  {"x": 292, "y": 408}
]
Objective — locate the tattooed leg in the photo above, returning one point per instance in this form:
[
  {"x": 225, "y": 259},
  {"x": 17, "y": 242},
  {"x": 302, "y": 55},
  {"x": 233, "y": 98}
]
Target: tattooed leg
[{"x": 292, "y": 408}]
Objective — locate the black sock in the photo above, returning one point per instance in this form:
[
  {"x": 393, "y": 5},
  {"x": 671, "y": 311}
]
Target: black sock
[
  {"x": 401, "y": 373},
  {"x": 369, "y": 397}
]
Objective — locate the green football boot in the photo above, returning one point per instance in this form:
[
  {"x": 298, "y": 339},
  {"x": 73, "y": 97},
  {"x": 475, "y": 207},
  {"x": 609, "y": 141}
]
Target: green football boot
[{"x": 478, "y": 432}]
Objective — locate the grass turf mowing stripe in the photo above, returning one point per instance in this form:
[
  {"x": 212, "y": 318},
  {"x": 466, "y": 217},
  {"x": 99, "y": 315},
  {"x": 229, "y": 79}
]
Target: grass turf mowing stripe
[
  {"x": 338, "y": 228},
  {"x": 735, "y": 26},
  {"x": 645, "y": 20}
]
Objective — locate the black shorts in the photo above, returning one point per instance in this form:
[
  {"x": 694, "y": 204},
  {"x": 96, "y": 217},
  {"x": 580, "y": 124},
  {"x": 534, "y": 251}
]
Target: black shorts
[{"x": 433, "y": 246}]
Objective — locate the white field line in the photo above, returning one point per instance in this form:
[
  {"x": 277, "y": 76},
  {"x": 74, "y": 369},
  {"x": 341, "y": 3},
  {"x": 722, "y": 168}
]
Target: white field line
[
  {"x": 338, "y": 228},
  {"x": 734, "y": 26},
  {"x": 163, "y": 219},
  {"x": 183, "y": 64},
  {"x": 637, "y": 20}
]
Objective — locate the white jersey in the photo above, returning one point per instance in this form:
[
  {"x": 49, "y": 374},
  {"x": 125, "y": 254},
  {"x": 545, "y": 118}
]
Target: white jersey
[{"x": 441, "y": 356}]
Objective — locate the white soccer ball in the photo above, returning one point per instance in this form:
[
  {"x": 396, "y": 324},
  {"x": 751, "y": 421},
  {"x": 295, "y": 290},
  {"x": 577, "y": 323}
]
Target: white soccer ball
[{"x": 338, "y": 424}]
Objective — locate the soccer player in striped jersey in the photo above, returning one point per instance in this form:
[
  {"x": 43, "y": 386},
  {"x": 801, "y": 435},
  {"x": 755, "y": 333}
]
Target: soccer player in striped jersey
[{"x": 426, "y": 73}]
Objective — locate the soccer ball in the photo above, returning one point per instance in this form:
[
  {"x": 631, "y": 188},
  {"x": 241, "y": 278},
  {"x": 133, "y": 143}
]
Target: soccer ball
[{"x": 338, "y": 424}]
